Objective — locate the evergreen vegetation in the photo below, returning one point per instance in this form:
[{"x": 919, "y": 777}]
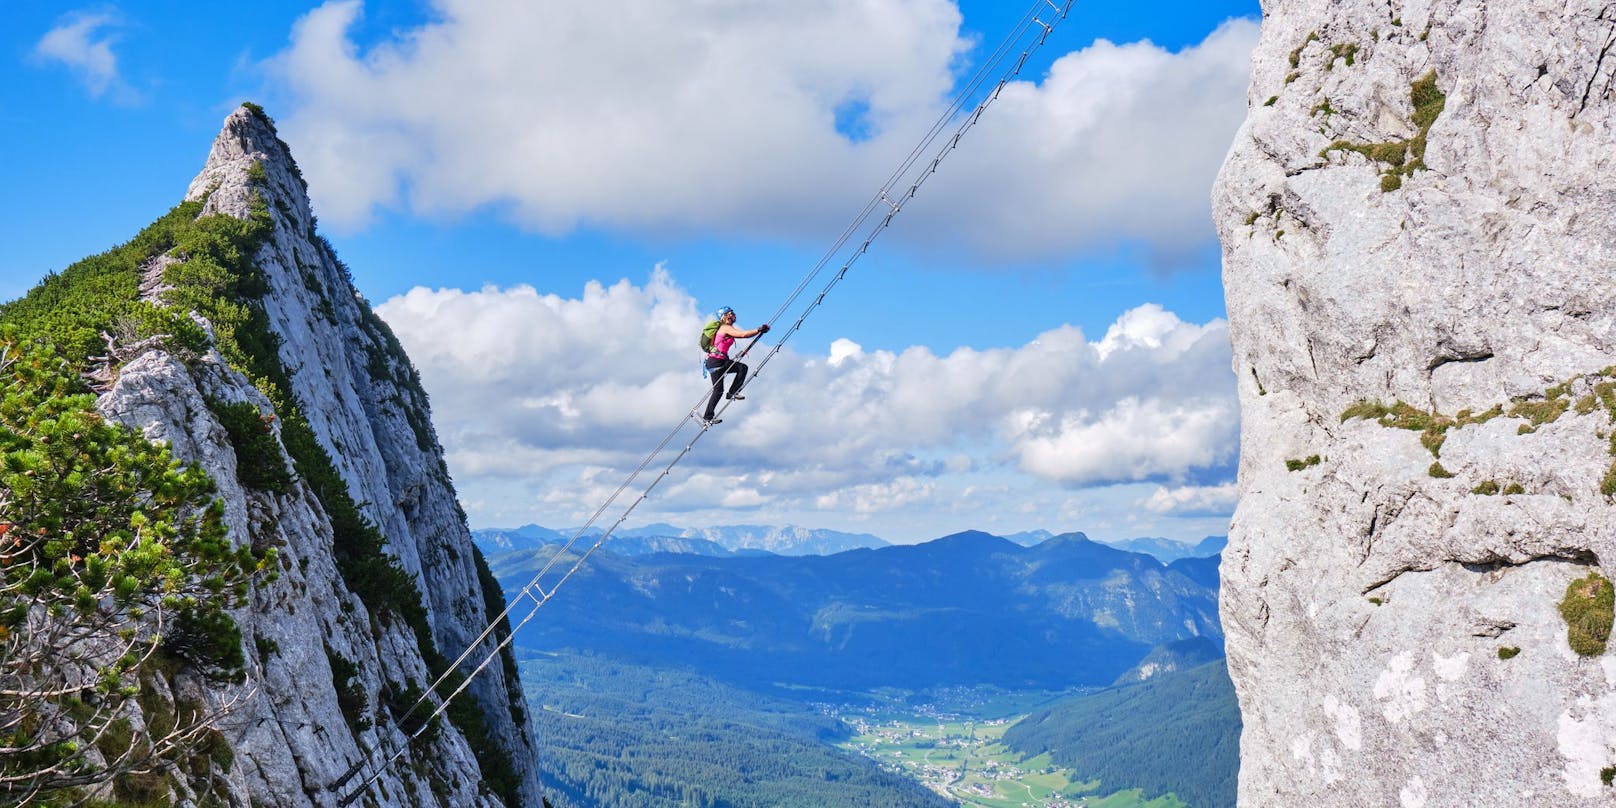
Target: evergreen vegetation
[
  {"x": 494, "y": 604},
  {"x": 616, "y": 735},
  {"x": 1176, "y": 733},
  {"x": 259, "y": 462},
  {"x": 114, "y": 565},
  {"x": 101, "y": 294},
  {"x": 351, "y": 696}
]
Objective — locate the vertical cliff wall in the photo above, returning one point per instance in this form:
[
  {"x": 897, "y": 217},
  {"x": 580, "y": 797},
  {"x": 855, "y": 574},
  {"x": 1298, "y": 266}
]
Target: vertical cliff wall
[
  {"x": 337, "y": 647},
  {"x": 1419, "y": 229}
]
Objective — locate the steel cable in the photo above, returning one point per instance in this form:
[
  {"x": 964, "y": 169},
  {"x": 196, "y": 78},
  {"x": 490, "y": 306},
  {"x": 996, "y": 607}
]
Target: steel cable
[{"x": 1059, "y": 11}]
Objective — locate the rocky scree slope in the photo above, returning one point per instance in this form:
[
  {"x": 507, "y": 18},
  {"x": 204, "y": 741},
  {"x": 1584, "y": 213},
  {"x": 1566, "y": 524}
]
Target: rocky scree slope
[
  {"x": 359, "y": 504},
  {"x": 1419, "y": 230}
]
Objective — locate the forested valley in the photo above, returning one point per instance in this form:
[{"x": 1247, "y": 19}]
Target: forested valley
[
  {"x": 672, "y": 679},
  {"x": 617, "y": 734}
]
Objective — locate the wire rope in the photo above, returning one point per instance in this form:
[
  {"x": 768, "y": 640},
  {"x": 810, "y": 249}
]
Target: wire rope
[{"x": 969, "y": 89}]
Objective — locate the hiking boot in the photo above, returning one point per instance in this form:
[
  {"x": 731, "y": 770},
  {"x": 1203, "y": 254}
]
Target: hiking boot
[
  {"x": 711, "y": 421},
  {"x": 736, "y": 397}
]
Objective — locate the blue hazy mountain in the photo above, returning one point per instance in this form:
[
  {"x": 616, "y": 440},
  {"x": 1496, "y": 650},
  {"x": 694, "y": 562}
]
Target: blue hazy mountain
[
  {"x": 786, "y": 540},
  {"x": 661, "y": 537},
  {"x": 969, "y": 608},
  {"x": 1028, "y": 538},
  {"x": 1169, "y": 550},
  {"x": 526, "y": 537},
  {"x": 1202, "y": 570},
  {"x": 629, "y": 543},
  {"x": 1175, "y": 733}
]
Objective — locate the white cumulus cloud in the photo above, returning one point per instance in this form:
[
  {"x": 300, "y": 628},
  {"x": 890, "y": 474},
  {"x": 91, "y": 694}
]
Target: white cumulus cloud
[
  {"x": 844, "y": 349},
  {"x": 708, "y": 117},
  {"x": 898, "y": 494},
  {"x": 1118, "y": 141},
  {"x": 1193, "y": 500},
  {"x": 676, "y": 115},
  {"x": 1132, "y": 439},
  {"x": 561, "y": 397}
]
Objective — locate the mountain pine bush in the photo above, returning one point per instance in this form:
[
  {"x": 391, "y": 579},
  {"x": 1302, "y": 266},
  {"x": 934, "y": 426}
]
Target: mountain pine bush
[{"x": 114, "y": 563}]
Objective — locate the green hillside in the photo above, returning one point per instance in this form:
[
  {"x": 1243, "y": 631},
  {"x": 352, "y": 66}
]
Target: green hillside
[
  {"x": 1177, "y": 733},
  {"x": 615, "y": 734}
]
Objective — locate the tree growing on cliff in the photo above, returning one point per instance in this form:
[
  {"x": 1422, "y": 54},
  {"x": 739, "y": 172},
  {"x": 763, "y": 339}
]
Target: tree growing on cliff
[{"x": 114, "y": 562}]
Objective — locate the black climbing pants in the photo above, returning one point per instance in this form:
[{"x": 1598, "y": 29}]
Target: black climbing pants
[{"x": 718, "y": 368}]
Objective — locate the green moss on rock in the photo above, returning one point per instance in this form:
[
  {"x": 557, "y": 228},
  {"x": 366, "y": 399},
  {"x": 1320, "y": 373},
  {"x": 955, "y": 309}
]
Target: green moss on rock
[
  {"x": 1588, "y": 608},
  {"x": 1296, "y": 55},
  {"x": 1402, "y": 157}
]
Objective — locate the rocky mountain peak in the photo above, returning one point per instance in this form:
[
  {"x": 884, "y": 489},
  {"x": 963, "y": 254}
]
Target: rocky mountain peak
[
  {"x": 311, "y": 421},
  {"x": 249, "y": 159}
]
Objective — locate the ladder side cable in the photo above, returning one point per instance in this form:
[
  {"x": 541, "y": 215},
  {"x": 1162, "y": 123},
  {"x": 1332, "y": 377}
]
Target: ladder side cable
[
  {"x": 937, "y": 127},
  {"x": 882, "y": 197}
]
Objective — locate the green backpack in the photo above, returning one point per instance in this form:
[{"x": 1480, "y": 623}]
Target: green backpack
[{"x": 707, "y": 334}]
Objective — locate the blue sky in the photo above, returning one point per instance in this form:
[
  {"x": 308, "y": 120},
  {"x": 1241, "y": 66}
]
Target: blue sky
[{"x": 1035, "y": 343}]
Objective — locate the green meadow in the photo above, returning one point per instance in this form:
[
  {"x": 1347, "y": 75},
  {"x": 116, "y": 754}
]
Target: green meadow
[{"x": 960, "y": 755}]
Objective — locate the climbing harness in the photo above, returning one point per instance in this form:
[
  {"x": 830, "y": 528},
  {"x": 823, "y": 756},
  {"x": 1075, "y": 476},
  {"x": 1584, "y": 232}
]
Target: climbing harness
[{"x": 537, "y": 592}]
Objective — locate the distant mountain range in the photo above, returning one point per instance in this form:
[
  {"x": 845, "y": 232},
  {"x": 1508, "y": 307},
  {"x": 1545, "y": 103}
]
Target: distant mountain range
[
  {"x": 1029, "y": 538},
  {"x": 1169, "y": 550},
  {"x": 788, "y": 540},
  {"x": 970, "y": 608},
  {"x": 495, "y": 542},
  {"x": 665, "y": 538}
]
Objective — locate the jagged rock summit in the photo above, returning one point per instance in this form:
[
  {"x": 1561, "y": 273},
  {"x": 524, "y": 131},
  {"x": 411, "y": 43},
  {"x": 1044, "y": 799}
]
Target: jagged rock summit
[
  {"x": 334, "y": 658},
  {"x": 1419, "y": 230}
]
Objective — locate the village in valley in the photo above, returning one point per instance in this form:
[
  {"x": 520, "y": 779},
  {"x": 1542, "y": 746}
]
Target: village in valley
[{"x": 954, "y": 747}]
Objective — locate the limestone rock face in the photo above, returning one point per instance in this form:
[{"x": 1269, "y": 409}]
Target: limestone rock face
[
  {"x": 1421, "y": 208},
  {"x": 290, "y": 740}
]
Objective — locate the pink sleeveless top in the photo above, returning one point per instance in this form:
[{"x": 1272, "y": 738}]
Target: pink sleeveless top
[{"x": 721, "y": 344}]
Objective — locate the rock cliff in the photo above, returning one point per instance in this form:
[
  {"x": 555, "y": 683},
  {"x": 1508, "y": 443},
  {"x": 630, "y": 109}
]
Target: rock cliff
[
  {"x": 334, "y": 658},
  {"x": 1419, "y": 230}
]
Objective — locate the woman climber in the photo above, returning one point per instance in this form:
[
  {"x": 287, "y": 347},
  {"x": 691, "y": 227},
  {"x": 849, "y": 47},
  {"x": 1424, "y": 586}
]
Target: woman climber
[{"x": 718, "y": 364}]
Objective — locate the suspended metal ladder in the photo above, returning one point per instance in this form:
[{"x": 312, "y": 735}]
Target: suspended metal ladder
[{"x": 901, "y": 186}]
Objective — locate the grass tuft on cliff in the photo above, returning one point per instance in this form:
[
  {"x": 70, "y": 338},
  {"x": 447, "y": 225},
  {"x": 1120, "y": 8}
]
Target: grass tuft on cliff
[
  {"x": 1588, "y": 608},
  {"x": 1402, "y": 157}
]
